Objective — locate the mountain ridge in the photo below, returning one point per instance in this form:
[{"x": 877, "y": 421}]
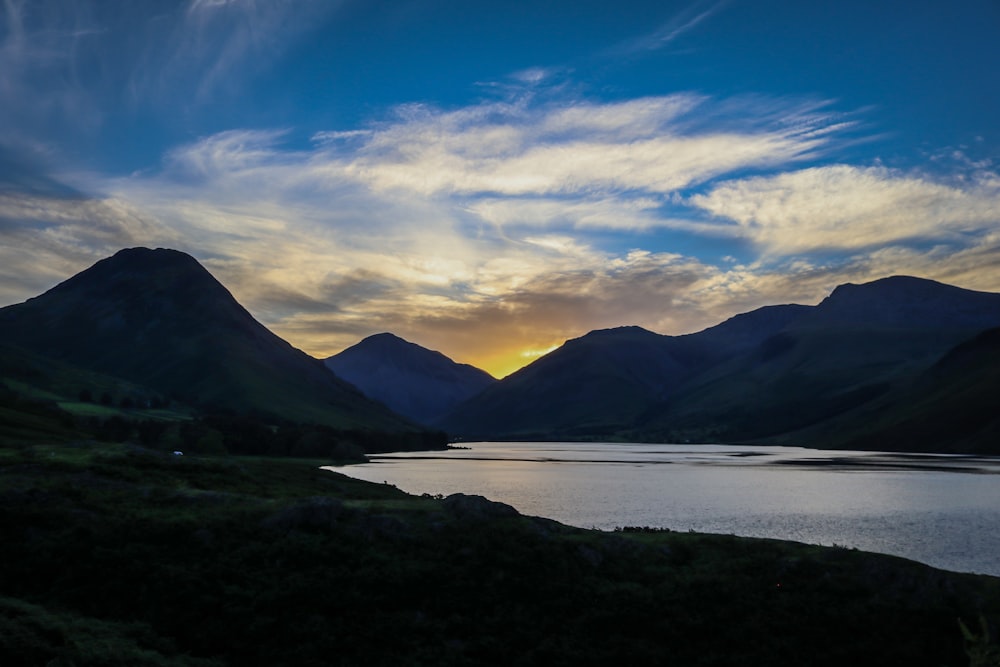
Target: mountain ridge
[{"x": 757, "y": 375}]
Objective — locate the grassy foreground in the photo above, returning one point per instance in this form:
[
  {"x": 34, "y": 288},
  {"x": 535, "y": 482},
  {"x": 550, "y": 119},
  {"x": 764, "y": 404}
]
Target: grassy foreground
[{"x": 116, "y": 555}]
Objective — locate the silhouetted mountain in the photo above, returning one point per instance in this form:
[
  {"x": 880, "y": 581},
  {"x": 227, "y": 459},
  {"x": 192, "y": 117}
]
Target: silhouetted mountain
[
  {"x": 159, "y": 319},
  {"x": 760, "y": 374},
  {"x": 413, "y": 381},
  {"x": 596, "y": 384}
]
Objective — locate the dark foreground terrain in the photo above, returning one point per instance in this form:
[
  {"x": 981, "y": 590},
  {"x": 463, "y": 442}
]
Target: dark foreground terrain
[{"x": 117, "y": 555}]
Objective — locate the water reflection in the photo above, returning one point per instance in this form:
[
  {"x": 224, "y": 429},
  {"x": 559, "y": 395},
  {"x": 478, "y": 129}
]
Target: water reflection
[{"x": 942, "y": 510}]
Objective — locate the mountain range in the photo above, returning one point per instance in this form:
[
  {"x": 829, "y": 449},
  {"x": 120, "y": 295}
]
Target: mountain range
[
  {"x": 900, "y": 363},
  {"x": 790, "y": 373}
]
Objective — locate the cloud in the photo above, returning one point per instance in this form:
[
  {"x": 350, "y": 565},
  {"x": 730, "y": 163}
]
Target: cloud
[
  {"x": 69, "y": 66},
  {"x": 42, "y": 55},
  {"x": 45, "y": 237},
  {"x": 505, "y": 227},
  {"x": 654, "y": 145},
  {"x": 215, "y": 44},
  {"x": 668, "y": 32},
  {"x": 520, "y": 303},
  {"x": 844, "y": 207},
  {"x": 573, "y": 213}
]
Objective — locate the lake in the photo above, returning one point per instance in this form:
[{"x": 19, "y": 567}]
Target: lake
[{"x": 937, "y": 509}]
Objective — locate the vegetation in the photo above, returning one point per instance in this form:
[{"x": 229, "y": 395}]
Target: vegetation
[
  {"x": 118, "y": 554},
  {"x": 42, "y": 399},
  {"x": 951, "y": 407}
]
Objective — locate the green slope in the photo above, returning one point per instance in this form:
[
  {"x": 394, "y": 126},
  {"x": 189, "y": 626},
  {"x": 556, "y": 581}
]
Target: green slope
[
  {"x": 950, "y": 407},
  {"x": 794, "y": 379}
]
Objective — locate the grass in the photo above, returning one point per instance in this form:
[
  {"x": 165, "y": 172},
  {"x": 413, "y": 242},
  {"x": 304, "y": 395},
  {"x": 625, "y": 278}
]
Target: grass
[{"x": 113, "y": 554}]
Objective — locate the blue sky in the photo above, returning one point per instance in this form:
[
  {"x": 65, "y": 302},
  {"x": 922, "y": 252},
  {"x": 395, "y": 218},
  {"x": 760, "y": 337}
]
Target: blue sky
[{"x": 490, "y": 179}]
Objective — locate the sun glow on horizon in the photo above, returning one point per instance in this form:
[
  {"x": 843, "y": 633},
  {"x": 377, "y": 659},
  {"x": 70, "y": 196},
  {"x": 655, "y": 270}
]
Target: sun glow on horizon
[{"x": 503, "y": 364}]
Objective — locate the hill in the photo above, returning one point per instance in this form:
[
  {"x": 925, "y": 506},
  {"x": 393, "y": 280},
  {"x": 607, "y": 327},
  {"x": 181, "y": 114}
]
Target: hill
[
  {"x": 158, "y": 319},
  {"x": 413, "y": 381}
]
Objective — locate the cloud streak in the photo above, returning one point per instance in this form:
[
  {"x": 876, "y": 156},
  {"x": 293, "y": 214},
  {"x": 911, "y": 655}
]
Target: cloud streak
[{"x": 681, "y": 23}]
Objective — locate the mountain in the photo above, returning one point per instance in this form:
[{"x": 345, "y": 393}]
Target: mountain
[
  {"x": 159, "y": 319},
  {"x": 772, "y": 371},
  {"x": 595, "y": 384},
  {"x": 413, "y": 381}
]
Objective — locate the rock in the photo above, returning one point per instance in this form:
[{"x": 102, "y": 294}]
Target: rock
[{"x": 464, "y": 506}]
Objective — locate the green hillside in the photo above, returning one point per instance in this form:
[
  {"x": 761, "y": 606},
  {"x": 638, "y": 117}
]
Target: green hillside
[
  {"x": 792, "y": 380},
  {"x": 950, "y": 407}
]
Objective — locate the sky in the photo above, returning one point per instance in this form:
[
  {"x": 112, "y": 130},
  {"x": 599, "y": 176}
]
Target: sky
[{"x": 490, "y": 179}]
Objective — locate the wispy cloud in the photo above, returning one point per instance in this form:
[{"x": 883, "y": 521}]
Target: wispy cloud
[
  {"x": 654, "y": 145},
  {"x": 66, "y": 66},
  {"x": 211, "y": 46},
  {"x": 668, "y": 32},
  {"x": 41, "y": 60},
  {"x": 841, "y": 207}
]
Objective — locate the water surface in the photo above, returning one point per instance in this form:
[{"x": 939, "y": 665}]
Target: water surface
[{"x": 938, "y": 509}]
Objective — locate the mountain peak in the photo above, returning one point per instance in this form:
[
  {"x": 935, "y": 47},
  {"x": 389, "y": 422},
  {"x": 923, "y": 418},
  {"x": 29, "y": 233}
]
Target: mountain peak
[
  {"x": 387, "y": 341},
  {"x": 628, "y": 330},
  {"x": 162, "y": 255},
  {"x": 143, "y": 261},
  {"x": 892, "y": 286},
  {"x": 907, "y": 301}
]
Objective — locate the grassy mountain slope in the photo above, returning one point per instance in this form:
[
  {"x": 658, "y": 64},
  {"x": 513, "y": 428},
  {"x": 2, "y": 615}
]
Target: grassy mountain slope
[
  {"x": 792, "y": 380},
  {"x": 157, "y": 318},
  {"x": 950, "y": 407},
  {"x": 117, "y": 556},
  {"x": 413, "y": 381}
]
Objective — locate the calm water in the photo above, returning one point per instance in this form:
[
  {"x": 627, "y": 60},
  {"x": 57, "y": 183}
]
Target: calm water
[{"x": 940, "y": 510}]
